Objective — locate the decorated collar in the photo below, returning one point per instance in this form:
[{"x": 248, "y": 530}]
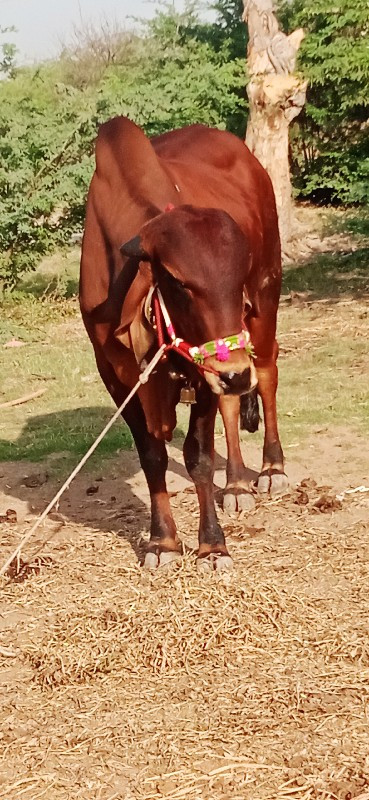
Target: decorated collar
[{"x": 222, "y": 348}]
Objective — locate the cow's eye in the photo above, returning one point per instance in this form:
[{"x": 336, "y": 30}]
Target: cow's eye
[
  {"x": 175, "y": 291},
  {"x": 174, "y": 282}
]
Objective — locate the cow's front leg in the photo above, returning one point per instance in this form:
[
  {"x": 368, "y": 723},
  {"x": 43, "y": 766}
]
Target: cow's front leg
[
  {"x": 163, "y": 546},
  {"x": 238, "y": 493},
  {"x": 199, "y": 458},
  {"x": 272, "y": 479}
]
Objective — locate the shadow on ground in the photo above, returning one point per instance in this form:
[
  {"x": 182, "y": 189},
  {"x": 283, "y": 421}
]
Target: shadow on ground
[
  {"x": 330, "y": 275},
  {"x": 66, "y": 433},
  {"x": 109, "y": 495}
]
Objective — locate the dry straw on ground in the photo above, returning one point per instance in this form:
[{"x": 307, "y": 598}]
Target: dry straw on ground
[{"x": 175, "y": 685}]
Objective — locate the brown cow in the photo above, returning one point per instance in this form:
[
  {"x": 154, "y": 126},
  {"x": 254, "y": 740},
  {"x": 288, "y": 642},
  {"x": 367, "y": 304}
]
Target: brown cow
[{"x": 216, "y": 260}]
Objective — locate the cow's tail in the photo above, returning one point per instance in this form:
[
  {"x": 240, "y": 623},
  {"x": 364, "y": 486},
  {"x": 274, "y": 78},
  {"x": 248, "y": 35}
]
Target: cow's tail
[{"x": 249, "y": 411}]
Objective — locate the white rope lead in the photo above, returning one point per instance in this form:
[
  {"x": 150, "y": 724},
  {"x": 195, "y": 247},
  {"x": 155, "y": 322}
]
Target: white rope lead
[{"x": 142, "y": 379}]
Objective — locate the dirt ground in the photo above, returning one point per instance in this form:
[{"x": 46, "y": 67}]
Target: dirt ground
[
  {"x": 116, "y": 683},
  {"x": 120, "y": 684}
]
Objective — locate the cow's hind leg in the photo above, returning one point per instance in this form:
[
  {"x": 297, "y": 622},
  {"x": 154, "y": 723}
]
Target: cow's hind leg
[
  {"x": 199, "y": 458},
  {"x": 238, "y": 492},
  {"x": 164, "y": 545}
]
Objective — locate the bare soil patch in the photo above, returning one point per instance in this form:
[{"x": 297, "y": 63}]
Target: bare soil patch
[{"x": 116, "y": 683}]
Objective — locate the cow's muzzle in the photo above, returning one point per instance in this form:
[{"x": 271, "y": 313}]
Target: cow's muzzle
[
  {"x": 233, "y": 382},
  {"x": 235, "y": 349},
  {"x": 236, "y": 382}
]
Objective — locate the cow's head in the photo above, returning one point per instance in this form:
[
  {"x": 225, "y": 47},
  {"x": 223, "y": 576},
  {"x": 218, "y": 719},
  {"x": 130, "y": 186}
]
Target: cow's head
[{"x": 198, "y": 258}]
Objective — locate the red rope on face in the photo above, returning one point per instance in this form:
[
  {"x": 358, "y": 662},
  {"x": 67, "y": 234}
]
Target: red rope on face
[
  {"x": 183, "y": 348},
  {"x": 158, "y": 320}
]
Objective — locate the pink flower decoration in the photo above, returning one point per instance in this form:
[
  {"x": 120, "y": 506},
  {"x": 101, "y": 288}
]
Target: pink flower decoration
[{"x": 221, "y": 350}]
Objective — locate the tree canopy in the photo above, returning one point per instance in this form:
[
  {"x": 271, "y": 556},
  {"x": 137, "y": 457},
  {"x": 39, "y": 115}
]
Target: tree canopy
[
  {"x": 167, "y": 77},
  {"x": 179, "y": 69},
  {"x": 330, "y": 145}
]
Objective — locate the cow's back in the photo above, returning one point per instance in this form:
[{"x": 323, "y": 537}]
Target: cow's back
[
  {"x": 216, "y": 165},
  {"x": 136, "y": 178}
]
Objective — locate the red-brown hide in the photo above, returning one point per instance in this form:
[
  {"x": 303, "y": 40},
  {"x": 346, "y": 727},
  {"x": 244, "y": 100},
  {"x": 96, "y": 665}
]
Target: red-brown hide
[{"x": 135, "y": 180}]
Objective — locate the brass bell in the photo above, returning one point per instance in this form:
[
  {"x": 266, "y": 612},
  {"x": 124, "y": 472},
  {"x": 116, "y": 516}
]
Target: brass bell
[{"x": 188, "y": 395}]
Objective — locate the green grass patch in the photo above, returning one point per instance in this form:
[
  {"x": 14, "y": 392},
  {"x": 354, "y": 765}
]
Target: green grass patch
[
  {"x": 322, "y": 384},
  {"x": 327, "y": 386},
  {"x": 351, "y": 220},
  {"x": 57, "y": 357},
  {"x": 56, "y": 277}
]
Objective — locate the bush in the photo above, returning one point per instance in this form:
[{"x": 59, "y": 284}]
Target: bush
[
  {"x": 49, "y": 117},
  {"x": 330, "y": 142}
]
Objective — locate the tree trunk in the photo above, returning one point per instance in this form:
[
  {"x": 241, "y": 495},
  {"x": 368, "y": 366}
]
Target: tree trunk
[{"x": 276, "y": 96}]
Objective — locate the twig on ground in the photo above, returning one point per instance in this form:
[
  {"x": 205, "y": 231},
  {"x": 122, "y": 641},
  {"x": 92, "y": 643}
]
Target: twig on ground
[{"x": 25, "y": 399}]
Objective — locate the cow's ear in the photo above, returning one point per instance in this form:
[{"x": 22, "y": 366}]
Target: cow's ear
[
  {"x": 138, "y": 290},
  {"x": 134, "y": 249}
]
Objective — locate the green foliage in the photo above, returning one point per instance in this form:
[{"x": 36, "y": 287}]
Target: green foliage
[
  {"x": 8, "y": 53},
  {"x": 179, "y": 70},
  {"x": 45, "y": 147},
  {"x": 181, "y": 82},
  {"x": 331, "y": 143},
  {"x": 227, "y": 28},
  {"x": 168, "y": 77}
]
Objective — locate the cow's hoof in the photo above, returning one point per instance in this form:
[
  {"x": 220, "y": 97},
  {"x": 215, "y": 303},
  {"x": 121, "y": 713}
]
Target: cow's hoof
[
  {"x": 224, "y": 564},
  {"x": 214, "y": 562},
  {"x": 279, "y": 484},
  {"x": 170, "y": 557},
  {"x": 263, "y": 484},
  {"x": 151, "y": 561},
  {"x": 237, "y": 497},
  {"x": 273, "y": 483},
  {"x": 156, "y": 560}
]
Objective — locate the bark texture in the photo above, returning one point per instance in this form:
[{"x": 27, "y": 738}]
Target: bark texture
[{"x": 276, "y": 96}]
